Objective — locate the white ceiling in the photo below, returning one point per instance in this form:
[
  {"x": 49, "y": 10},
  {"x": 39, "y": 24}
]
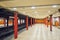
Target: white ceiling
[{"x": 38, "y": 12}]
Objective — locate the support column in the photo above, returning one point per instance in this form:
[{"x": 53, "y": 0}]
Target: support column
[
  {"x": 31, "y": 22},
  {"x": 26, "y": 22},
  {"x": 47, "y": 21},
  {"x": 59, "y": 20},
  {"x": 34, "y": 21},
  {"x": 50, "y": 22},
  {"x": 15, "y": 25}
]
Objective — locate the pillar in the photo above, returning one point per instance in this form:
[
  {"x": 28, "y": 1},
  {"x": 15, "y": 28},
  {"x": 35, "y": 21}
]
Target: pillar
[
  {"x": 50, "y": 22},
  {"x": 15, "y": 25},
  {"x": 59, "y": 20},
  {"x": 47, "y": 21},
  {"x": 34, "y": 21},
  {"x": 31, "y": 22},
  {"x": 26, "y": 22}
]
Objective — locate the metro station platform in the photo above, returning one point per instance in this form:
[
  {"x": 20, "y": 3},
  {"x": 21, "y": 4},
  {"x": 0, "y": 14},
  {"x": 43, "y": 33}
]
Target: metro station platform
[
  {"x": 29, "y": 19},
  {"x": 37, "y": 32}
]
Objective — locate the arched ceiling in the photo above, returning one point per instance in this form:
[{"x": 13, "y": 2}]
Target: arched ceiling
[{"x": 41, "y": 8}]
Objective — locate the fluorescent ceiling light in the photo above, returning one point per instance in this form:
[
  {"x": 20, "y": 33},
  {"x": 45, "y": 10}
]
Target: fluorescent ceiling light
[
  {"x": 14, "y": 9},
  {"x": 33, "y": 7},
  {"x": 54, "y": 6}
]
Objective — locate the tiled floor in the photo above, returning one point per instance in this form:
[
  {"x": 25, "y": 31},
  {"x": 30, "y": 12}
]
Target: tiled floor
[{"x": 38, "y": 32}]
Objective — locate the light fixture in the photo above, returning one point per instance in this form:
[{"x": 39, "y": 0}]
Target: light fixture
[
  {"x": 54, "y": 6},
  {"x": 14, "y": 9},
  {"x": 33, "y": 7}
]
